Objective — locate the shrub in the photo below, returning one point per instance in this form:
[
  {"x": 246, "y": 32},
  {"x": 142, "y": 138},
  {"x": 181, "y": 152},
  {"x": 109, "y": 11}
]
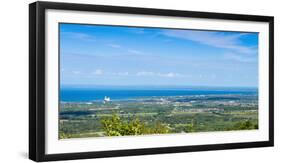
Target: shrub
[{"x": 114, "y": 126}]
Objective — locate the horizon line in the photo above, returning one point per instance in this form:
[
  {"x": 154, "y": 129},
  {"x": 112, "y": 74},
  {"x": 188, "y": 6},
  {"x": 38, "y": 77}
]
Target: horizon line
[{"x": 99, "y": 85}]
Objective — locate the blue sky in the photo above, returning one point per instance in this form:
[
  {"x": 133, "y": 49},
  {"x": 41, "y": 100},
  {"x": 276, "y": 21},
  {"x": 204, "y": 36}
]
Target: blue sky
[{"x": 114, "y": 55}]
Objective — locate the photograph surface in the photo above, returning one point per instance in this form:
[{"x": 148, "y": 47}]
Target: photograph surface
[{"x": 131, "y": 81}]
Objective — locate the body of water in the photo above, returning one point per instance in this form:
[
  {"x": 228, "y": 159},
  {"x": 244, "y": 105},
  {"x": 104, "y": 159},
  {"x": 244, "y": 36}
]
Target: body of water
[{"x": 98, "y": 94}]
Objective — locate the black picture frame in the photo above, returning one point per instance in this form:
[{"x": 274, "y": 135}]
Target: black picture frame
[{"x": 37, "y": 80}]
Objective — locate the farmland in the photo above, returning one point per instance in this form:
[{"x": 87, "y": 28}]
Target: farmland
[{"x": 158, "y": 115}]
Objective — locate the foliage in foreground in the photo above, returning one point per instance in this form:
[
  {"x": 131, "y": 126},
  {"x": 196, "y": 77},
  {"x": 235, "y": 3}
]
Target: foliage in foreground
[
  {"x": 115, "y": 126},
  {"x": 246, "y": 125}
]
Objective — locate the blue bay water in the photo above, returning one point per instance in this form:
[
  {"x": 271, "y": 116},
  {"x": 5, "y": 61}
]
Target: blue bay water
[{"x": 98, "y": 94}]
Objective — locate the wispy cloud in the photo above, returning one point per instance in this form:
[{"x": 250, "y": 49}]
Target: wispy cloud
[
  {"x": 214, "y": 39},
  {"x": 239, "y": 57},
  {"x": 145, "y": 73},
  {"x": 128, "y": 50},
  {"x": 155, "y": 74},
  {"x": 114, "y": 45},
  {"x": 171, "y": 75},
  {"x": 133, "y": 51},
  {"x": 79, "y": 35}
]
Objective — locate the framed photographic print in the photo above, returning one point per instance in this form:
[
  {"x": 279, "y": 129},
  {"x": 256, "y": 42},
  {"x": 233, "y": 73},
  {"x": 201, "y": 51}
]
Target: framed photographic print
[{"x": 111, "y": 81}]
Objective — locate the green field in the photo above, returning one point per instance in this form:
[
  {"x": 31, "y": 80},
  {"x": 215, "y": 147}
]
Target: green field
[{"x": 155, "y": 116}]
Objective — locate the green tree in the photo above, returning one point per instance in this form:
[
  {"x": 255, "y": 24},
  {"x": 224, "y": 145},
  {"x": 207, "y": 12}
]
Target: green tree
[
  {"x": 63, "y": 135},
  {"x": 246, "y": 125},
  {"x": 190, "y": 127},
  {"x": 114, "y": 126}
]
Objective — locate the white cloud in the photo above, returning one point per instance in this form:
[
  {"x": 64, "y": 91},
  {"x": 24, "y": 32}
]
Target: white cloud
[
  {"x": 171, "y": 75},
  {"x": 134, "y": 51},
  {"x": 145, "y": 73},
  {"x": 214, "y": 39},
  {"x": 166, "y": 75},
  {"x": 239, "y": 58},
  {"x": 79, "y": 35},
  {"x": 98, "y": 72},
  {"x": 114, "y": 45}
]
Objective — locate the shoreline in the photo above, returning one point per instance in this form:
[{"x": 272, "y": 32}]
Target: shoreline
[{"x": 161, "y": 98}]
